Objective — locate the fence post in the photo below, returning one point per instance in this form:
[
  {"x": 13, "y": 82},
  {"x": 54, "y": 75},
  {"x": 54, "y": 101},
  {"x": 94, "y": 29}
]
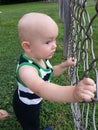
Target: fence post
[
  {"x": 61, "y": 10},
  {"x": 67, "y": 22}
]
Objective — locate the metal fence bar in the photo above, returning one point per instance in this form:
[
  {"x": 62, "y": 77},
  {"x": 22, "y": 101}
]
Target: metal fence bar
[{"x": 67, "y": 22}]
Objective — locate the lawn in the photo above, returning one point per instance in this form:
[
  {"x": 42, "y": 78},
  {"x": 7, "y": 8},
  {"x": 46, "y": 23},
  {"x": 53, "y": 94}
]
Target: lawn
[{"x": 56, "y": 114}]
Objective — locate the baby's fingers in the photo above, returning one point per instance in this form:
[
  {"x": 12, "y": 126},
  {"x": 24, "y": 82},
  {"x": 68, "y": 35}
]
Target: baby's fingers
[
  {"x": 89, "y": 84},
  {"x": 88, "y": 81}
]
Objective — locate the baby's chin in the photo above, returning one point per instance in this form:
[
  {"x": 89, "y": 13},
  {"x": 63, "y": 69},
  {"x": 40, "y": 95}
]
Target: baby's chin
[{"x": 49, "y": 57}]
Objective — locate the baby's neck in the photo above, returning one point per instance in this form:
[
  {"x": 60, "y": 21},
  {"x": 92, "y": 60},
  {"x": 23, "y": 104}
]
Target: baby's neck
[{"x": 39, "y": 61}]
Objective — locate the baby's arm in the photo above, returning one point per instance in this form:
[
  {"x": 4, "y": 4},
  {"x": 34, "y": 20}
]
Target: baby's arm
[
  {"x": 59, "y": 69},
  {"x": 84, "y": 90}
]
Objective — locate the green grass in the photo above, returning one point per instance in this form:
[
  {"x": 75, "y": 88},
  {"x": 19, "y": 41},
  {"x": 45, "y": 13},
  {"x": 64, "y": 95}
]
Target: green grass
[{"x": 56, "y": 114}]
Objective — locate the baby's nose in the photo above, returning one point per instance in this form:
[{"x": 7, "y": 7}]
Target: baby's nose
[{"x": 54, "y": 45}]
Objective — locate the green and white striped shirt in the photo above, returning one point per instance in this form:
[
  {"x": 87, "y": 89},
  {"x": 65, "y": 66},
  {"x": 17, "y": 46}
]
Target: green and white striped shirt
[{"x": 25, "y": 94}]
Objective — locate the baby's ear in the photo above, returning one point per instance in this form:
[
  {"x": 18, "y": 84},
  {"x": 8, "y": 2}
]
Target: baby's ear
[{"x": 26, "y": 46}]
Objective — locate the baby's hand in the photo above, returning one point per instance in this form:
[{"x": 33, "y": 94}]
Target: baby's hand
[
  {"x": 3, "y": 114},
  {"x": 70, "y": 62},
  {"x": 84, "y": 90}
]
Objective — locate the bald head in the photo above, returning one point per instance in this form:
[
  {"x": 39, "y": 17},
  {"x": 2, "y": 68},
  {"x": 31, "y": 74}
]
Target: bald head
[{"x": 35, "y": 24}]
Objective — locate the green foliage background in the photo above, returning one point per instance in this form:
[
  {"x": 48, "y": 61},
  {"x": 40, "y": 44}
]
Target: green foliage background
[{"x": 56, "y": 114}]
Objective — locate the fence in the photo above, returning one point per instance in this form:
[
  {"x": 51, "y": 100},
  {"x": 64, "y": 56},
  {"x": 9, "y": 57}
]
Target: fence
[{"x": 78, "y": 42}]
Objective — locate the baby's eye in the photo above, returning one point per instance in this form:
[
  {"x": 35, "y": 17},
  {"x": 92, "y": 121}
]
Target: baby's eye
[{"x": 48, "y": 42}]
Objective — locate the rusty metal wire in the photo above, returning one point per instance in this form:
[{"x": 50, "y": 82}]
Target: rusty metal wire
[{"x": 79, "y": 43}]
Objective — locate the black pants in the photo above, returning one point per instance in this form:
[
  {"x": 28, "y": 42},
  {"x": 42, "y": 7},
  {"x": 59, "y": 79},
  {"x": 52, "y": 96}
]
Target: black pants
[{"x": 27, "y": 115}]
